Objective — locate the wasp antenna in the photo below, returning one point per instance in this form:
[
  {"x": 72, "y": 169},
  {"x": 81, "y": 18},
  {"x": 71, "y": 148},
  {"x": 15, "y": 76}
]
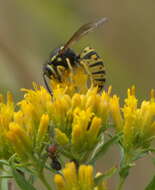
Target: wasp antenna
[{"x": 46, "y": 84}]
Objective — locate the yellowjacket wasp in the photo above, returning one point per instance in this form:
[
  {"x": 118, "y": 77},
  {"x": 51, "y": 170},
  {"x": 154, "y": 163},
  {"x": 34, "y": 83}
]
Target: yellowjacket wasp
[{"x": 64, "y": 58}]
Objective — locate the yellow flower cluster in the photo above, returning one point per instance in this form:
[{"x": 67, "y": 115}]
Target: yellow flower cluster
[
  {"x": 75, "y": 81},
  {"x": 71, "y": 179},
  {"x": 75, "y": 119},
  {"x": 64, "y": 105},
  {"x": 6, "y": 116},
  {"x": 24, "y": 131},
  {"x": 136, "y": 123},
  {"x": 78, "y": 119}
]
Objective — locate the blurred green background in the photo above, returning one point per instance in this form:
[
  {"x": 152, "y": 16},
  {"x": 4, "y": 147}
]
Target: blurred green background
[{"x": 29, "y": 30}]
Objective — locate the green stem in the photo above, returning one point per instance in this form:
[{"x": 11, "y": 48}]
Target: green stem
[
  {"x": 121, "y": 183},
  {"x": 44, "y": 181},
  {"x": 124, "y": 169},
  {"x": 40, "y": 173}
]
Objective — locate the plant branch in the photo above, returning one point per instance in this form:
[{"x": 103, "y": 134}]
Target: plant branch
[{"x": 44, "y": 181}]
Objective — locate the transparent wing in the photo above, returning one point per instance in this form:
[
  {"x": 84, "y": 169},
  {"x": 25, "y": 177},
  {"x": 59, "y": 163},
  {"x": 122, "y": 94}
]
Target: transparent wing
[{"x": 82, "y": 31}]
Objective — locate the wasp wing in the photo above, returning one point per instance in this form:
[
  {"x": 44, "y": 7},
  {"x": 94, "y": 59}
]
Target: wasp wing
[{"x": 82, "y": 31}]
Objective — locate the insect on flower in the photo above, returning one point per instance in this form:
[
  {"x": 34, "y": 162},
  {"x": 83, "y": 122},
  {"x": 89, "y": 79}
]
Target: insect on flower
[
  {"x": 65, "y": 59},
  {"x": 52, "y": 153}
]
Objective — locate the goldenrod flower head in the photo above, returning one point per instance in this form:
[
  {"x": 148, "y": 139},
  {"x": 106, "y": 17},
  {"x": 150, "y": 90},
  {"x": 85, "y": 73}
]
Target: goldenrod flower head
[
  {"x": 6, "y": 116},
  {"x": 71, "y": 82},
  {"x": 19, "y": 136},
  {"x": 81, "y": 134},
  {"x": 85, "y": 130},
  {"x": 39, "y": 110},
  {"x": 137, "y": 123},
  {"x": 73, "y": 180},
  {"x": 60, "y": 137},
  {"x": 19, "y": 139},
  {"x": 60, "y": 112},
  {"x": 35, "y": 102},
  {"x": 42, "y": 133},
  {"x": 26, "y": 128},
  {"x": 99, "y": 103},
  {"x": 6, "y": 112},
  {"x": 78, "y": 117},
  {"x": 116, "y": 112},
  {"x": 64, "y": 105},
  {"x": 130, "y": 102}
]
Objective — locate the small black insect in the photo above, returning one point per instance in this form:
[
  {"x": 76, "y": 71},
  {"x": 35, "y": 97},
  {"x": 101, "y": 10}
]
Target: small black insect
[
  {"x": 52, "y": 153},
  {"x": 64, "y": 58}
]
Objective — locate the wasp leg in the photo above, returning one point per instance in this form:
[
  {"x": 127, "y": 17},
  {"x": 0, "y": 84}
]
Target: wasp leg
[
  {"x": 60, "y": 70},
  {"x": 70, "y": 68},
  {"x": 83, "y": 63},
  {"x": 46, "y": 84}
]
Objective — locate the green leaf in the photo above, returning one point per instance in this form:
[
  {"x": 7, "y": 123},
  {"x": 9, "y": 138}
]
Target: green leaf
[
  {"x": 6, "y": 176},
  {"x": 99, "y": 145},
  {"x": 140, "y": 155},
  {"x": 105, "y": 176},
  {"x": 103, "y": 149},
  {"x": 21, "y": 181},
  {"x": 4, "y": 162},
  {"x": 32, "y": 179},
  {"x": 4, "y": 184},
  {"x": 151, "y": 185}
]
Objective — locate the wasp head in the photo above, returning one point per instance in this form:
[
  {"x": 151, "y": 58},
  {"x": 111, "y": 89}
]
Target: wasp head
[{"x": 58, "y": 62}]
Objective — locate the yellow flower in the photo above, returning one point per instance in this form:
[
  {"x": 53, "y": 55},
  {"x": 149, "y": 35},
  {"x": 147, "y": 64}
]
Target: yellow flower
[
  {"x": 6, "y": 112},
  {"x": 116, "y": 112},
  {"x": 85, "y": 130},
  {"x": 36, "y": 102},
  {"x": 60, "y": 112},
  {"x": 71, "y": 83},
  {"x": 99, "y": 103},
  {"x": 71, "y": 180},
  {"x": 6, "y": 116},
  {"x": 136, "y": 123},
  {"x": 81, "y": 178},
  {"x": 20, "y": 140},
  {"x": 85, "y": 175},
  {"x": 64, "y": 105},
  {"x": 26, "y": 128},
  {"x": 42, "y": 132},
  {"x": 60, "y": 137},
  {"x": 32, "y": 110}
]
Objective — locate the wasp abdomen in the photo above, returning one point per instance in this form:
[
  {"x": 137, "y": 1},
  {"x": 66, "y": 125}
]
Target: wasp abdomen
[{"x": 94, "y": 66}]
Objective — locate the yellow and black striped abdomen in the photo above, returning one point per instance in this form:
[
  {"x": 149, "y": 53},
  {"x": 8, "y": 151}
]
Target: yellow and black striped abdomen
[{"x": 94, "y": 66}]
